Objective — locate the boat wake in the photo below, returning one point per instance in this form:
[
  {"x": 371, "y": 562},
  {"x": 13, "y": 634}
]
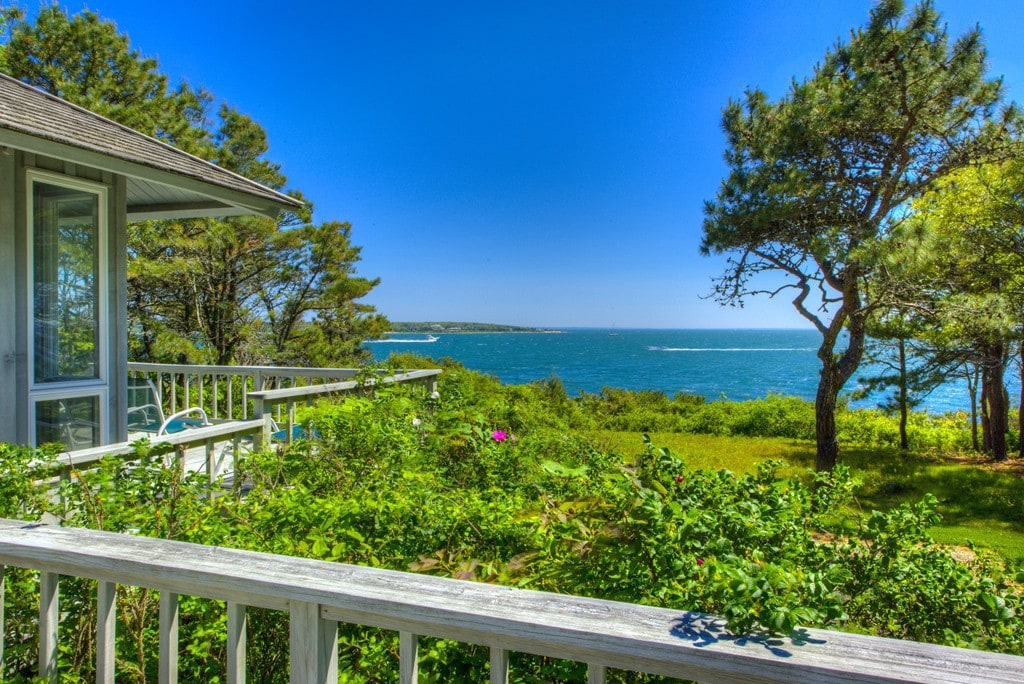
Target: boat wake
[{"x": 403, "y": 341}]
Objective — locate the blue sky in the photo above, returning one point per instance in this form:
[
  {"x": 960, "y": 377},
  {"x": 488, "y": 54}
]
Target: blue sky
[{"x": 533, "y": 163}]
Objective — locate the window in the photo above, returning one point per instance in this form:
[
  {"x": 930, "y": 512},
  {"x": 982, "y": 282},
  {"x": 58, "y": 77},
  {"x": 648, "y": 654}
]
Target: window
[
  {"x": 72, "y": 421},
  {"x": 67, "y": 308}
]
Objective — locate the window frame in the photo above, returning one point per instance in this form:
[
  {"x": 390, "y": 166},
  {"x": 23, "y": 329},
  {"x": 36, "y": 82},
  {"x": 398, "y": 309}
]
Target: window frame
[{"x": 76, "y": 388}]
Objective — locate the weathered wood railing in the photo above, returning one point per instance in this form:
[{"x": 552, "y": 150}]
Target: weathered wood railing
[
  {"x": 243, "y": 392},
  {"x": 267, "y": 402},
  {"x": 231, "y": 392},
  {"x": 318, "y": 595},
  {"x": 211, "y": 439},
  {"x": 223, "y": 391}
]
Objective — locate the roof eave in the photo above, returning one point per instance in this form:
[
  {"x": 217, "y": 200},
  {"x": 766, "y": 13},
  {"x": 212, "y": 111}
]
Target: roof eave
[{"x": 218, "y": 200}]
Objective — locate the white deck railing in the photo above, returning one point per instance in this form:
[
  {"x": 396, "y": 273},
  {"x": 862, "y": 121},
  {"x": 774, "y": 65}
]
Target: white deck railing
[
  {"x": 270, "y": 402},
  {"x": 234, "y": 396},
  {"x": 225, "y": 392},
  {"x": 211, "y": 439},
  {"x": 318, "y": 595}
]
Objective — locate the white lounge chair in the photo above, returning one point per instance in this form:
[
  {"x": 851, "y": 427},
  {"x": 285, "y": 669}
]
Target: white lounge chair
[{"x": 145, "y": 413}]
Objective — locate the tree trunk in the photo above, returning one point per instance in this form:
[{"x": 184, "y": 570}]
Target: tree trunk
[
  {"x": 997, "y": 400},
  {"x": 903, "y": 400},
  {"x": 986, "y": 424},
  {"x": 972, "y": 388},
  {"x": 835, "y": 371},
  {"x": 825, "y": 420}
]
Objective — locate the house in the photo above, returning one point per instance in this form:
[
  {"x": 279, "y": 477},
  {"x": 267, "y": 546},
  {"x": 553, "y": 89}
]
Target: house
[{"x": 70, "y": 182}]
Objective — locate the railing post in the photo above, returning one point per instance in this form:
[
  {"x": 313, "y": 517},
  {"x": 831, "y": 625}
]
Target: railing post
[
  {"x": 211, "y": 466},
  {"x": 595, "y": 673},
  {"x": 178, "y": 455},
  {"x": 499, "y": 665},
  {"x": 257, "y": 386},
  {"x": 106, "y": 621},
  {"x": 263, "y": 439},
  {"x": 291, "y": 421},
  {"x": 213, "y": 382},
  {"x": 168, "y": 638},
  {"x": 237, "y": 628},
  {"x": 313, "y": 645},
  {"x": 408, "y": 657},
  {"x": 3, "y": 598},
  {"x": 49, "y": 617}
]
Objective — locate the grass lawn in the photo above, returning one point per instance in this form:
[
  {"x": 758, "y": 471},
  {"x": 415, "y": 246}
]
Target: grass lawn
[{"x": 979, "y": 504}]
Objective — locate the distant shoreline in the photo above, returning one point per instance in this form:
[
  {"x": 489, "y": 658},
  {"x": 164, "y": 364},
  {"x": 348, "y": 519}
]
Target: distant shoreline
[{"x": 460, "y": 328}]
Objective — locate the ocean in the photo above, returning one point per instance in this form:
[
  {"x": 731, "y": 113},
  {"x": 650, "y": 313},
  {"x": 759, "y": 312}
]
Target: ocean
[{"x": 716, "y": 364}]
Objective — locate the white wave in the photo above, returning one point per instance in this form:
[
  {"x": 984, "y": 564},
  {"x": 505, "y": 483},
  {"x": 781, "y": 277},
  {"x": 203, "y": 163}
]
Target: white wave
[
  {"x": 731, "y": 349},
  {"x": 389, "y": 341}
]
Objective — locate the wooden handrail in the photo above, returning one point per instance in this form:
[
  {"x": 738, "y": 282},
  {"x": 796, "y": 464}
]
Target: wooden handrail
[
  {"x": 299, "y": 371},
  {"x": 266, "y": 401},
  {"x": 283, "y": 395},
  {"x": 186, "y": 439},
  {"x": 319, "y": 594},
  {"x": 215, "y": 388}
]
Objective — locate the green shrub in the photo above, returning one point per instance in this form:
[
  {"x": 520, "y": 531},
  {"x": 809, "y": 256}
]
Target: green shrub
[{"x": 508, "y": 485}]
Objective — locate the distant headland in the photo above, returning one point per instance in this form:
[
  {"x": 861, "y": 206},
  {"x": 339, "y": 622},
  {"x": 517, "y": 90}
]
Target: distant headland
[{"x": 434, "y": 328}]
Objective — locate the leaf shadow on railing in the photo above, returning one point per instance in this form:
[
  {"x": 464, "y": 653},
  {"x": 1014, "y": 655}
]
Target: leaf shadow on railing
[{"x": 706, "y": 630}]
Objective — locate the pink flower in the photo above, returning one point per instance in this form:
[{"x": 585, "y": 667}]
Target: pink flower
[
  {"x": 679, "y": 478},
  {"x": 700, "y": 561},
  {"x": 499, "y": 435}
]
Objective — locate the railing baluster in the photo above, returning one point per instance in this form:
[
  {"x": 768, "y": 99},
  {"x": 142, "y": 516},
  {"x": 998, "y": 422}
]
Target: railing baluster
[
  {"x": 595, "y": 673},
  {"x": 188, "y": 390},
  {"x": 499, "y": 665},
  {"x": 291, "y": 421},
  {"x": 49, "y": 617},
  {"x": 106, "y": 621},
  {"x": 201, "y": 377},
  {"x": 3, "y": 572},
  {"x": 213, "y": 382},
  {"x": 212, "y": 466},
  {"x": 168, "y": 637},
  {"x": 313, "y": 647},
  {"x": 237, "y": 628},
  {"x": 409, "y": 659},
  {"x": 231, "y": 398}
]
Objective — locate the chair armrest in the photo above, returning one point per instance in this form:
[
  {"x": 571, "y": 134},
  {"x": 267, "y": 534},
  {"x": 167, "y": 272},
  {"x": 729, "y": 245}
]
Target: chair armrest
[
  {"x": 151, "y": 417},
  {"x": 177, "y": 422}
]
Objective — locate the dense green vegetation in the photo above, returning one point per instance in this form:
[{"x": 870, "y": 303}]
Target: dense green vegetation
[{"x": 526, "y": 486}]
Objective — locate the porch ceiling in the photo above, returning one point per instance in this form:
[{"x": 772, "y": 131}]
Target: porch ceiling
[{"x": 152, "y": 200}]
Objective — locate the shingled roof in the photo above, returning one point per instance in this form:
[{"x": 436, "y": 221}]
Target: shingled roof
[{"x": 163, "y": 181}]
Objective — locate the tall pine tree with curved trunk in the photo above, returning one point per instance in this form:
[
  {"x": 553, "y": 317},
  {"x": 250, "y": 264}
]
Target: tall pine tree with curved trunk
[{"x": 818, "y": 179}]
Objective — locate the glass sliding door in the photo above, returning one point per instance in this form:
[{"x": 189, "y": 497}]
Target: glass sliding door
[{"x": 67, "y": 308}]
